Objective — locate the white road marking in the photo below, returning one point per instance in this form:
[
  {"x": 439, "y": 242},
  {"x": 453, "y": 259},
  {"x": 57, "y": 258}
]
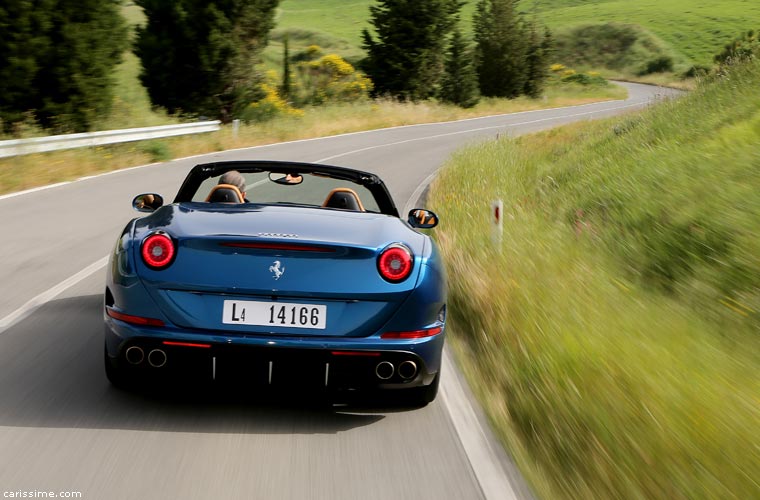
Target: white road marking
[
  {"x": 489, "y": 464},
  {"x": 58, "y": 184},
  {"x": 415, "y": 198},
  {"x": 477, "y": 441},
  {"x": 468, "y": 131},
  {"x": 50, "y": 294},
  {"x": 33, "y": 190}
]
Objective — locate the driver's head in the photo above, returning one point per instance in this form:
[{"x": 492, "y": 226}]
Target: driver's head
[{"x": 234, "y": 178}]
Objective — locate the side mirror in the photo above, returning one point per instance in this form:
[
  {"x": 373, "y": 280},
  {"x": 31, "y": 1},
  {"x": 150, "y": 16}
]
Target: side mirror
[
  {"x": 147, "y": 203},
  {"x": 422, "y": 219}
]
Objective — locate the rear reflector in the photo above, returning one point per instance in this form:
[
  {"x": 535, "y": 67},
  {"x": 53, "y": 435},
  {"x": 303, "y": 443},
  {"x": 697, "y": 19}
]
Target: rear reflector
[
  {"x": 416, "y": 334},
  {"x": 355, "y": 353},
  {"x": 135, "y": 320},
  {"x": 279, "y": 246},
  {"x": 186, "y": 344}
]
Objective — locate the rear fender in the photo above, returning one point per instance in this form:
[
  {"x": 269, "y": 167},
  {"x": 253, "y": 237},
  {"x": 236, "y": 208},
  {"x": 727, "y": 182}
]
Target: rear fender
[
  {"x": 125, "y": 292},
  {"x": 424, "y": 308}
]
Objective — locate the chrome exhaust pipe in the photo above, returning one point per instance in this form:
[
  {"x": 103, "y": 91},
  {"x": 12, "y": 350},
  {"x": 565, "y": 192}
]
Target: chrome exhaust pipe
[
  {"x": 407, "y": 370},
  {"x": 384, "y": 370},
  {"x": 135, "y": 355},
  {"x": 157, "y": 358}
]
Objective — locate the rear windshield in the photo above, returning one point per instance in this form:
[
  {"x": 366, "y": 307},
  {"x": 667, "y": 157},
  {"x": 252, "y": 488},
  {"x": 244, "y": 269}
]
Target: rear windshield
[{"x": 312, "y": 190}]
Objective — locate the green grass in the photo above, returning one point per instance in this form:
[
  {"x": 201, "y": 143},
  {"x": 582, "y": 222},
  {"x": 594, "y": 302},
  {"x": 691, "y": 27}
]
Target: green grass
[
  {"x": 613, "y": 335},
  {"x": 694, "y": 30},
  {"x": 131, "y": 105},
  {"x": 343, "y": 20}
]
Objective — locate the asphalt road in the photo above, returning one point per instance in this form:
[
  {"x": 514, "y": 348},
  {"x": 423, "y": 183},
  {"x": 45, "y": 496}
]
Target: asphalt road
[{"x": 63, "y": 428}]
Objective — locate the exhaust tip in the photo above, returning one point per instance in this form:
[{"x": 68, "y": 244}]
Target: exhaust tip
[
  {"x": 407, "y": 370},
  {"x": 135, "y": 355},
  {"x": 384, "y": 370},
  {"x": 157, "y": 358}
]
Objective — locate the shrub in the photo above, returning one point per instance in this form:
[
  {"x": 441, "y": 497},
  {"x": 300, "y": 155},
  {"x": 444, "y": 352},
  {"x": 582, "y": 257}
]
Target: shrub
[
  {"x": 660, "y": 64},
  {"x": 331, "y": 78},
  {"x": 696, "y": 70},
  {"x": 584, "y": 78},
  {"x": 271, "y": 105},
  {"x": 620, "y": 47}
]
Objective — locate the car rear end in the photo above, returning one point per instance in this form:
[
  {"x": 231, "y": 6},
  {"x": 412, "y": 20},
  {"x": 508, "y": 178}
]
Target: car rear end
[{"x": 301, "y": 298}]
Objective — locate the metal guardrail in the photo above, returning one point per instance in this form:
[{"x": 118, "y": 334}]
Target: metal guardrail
[{"x": 17, "y": 147}]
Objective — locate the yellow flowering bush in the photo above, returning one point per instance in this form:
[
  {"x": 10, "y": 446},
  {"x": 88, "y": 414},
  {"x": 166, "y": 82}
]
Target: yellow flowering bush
[
  {"x": 332, "y": 78},
  {"x": 272, "y": 104}
]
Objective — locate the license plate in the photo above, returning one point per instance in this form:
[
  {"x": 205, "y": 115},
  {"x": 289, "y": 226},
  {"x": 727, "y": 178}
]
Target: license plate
[{"x": 281, "y": 314}]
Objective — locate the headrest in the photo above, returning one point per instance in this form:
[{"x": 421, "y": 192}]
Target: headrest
[
  {"x": 344, "y": 198},
  {"x": 225, "y": 193}
]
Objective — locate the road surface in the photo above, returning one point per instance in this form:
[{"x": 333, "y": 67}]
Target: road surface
[{"x": 63, "y": 428}]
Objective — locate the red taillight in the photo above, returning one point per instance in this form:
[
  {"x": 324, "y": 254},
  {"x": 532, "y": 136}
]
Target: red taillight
[
  {"x": 186, "y": 344},
  {"x": 416, "y": 334},
  {"x": 158, "y": 250},
  {"x": 395, "y": 263},
  {"x": 135, "y": 320}
]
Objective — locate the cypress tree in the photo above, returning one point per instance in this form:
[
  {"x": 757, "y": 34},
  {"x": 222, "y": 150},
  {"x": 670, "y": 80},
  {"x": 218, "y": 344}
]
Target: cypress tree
[
  {"x": 199, "y": 57},
  {"x": 286, "y": 87},
  {"x": 501, "y": 50},
  {"x": 406, "y": 59},
  {"x": 57, "y": 62},
  {"x": 460, "y": 82},
  {"x": 536, "y": 61}
]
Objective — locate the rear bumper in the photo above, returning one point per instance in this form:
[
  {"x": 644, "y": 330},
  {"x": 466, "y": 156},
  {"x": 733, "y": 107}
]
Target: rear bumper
[{"x": 271, "y": 361}]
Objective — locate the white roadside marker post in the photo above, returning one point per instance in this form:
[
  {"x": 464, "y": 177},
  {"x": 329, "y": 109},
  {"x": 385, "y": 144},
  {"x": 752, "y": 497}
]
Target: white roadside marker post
[
  {"x": 235, "y": 127},
  {"x": 497, "y": 222}
]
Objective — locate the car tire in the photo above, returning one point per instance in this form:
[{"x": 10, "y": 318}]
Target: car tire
[{"x": 115, "y": 373}]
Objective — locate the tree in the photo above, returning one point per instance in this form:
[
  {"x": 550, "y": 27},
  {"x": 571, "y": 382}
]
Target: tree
[
  {"x": 536, "y": 61},
  {"x": 198, "y": 56},
  {"x": 286, "y": 87},
  {"x": 460, "y": 82},
  {"x": 406, "y": 59},
  {"x": 501, "y": 49},
  {"x": 58, "y": 61}
]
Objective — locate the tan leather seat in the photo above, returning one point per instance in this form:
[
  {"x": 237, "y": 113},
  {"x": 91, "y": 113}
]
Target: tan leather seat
[
  {"x": 225, "y": 193},
  {"x": 344, "y": 198}
]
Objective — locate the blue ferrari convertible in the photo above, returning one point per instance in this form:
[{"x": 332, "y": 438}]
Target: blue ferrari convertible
[{"x": 277, "y": 275}]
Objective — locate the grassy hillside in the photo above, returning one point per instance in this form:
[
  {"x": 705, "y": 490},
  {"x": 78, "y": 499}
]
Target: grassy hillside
[
  {"x": 695, "y": 30},
  {"x": 613, "y": 335},
  {"x": 131, "y": 104}
]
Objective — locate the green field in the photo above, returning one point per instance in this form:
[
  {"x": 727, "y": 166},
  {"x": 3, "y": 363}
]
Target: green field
[
  {"x": 694, "y": 29},
  {"x": 612, "y": 336}
]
